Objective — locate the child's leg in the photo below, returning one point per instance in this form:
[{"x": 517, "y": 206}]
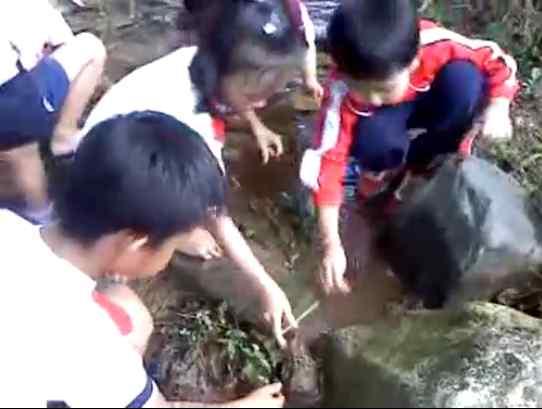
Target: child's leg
[
  {"x": 447, "y": 111},
  {"x": 129, "y": 314},
  {"x": 83, "y": 60},
  {"x": 381, "y": 146},
  {"x": 22, "y": 179},
  {"x": 382, "y": 140},
  {"x": 30, "y": 176},
  {"x": 8, "y": 188}
]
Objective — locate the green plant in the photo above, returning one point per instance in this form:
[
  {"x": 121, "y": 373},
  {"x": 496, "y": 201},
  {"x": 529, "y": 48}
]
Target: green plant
[{"x": 242, "y": 352}]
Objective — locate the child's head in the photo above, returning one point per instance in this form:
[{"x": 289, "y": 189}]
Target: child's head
[
  {"x": 374, "y": 44},
  {"x": 242, "y": 38},
  {"x": 138, "y": 182}
]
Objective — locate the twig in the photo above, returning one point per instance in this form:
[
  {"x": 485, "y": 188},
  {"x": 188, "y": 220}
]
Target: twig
[{"x": 303, "y": 316}]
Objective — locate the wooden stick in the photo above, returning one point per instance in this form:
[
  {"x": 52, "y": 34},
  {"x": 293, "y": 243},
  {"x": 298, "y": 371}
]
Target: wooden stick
[{"x": 304, "y": 315}]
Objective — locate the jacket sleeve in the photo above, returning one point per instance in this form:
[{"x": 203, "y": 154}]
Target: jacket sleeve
[{"x": 323, "y": 167}]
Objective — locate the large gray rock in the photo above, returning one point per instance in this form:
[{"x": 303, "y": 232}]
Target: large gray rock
[
  {"x": 467, "y": 234},
  {"x": 481, "y": 356}
]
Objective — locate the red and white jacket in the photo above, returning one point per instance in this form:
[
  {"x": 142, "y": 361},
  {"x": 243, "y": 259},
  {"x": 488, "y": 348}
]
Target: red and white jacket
[{"x": 323, "y": 167}]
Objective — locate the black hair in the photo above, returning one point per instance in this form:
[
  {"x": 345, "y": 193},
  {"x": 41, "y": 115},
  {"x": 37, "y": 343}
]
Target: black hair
[
  {"x": 373, "y": 39},
  {"x": 224, "y": 27},
  {"x": 145, "y": 172}
]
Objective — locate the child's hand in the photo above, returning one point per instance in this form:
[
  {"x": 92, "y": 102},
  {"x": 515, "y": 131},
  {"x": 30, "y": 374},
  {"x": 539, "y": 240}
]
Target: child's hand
[
  {"x": 497, "y": 122},
  {"x": 315, "y": 89},
  {"x": 269, "y": 143},
  {"x": 277, "y": 311},
  {"x": 334, "y": 270}
]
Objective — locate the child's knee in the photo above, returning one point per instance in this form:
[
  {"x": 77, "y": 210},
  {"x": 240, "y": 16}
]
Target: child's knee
[{"x": 462, "y": 87}]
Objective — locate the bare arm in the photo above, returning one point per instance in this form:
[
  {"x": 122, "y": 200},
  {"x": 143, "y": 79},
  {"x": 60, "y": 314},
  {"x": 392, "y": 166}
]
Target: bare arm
[
  {"x": 332, "y": 274},
  {"x": 329, "y": 226},
  {"x": 275, "y": 302},
  {"x": 238, "y": 249},
  {"x": 310, "y": 66},
  {"x": 269, "y": 143}
]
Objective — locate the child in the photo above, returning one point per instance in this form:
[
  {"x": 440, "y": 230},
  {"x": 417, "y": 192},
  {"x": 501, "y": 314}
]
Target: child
[
  {"x": 62, "y": 341},
  {"x": 248, "y": 51},
  {"x": 47, "y": 76},
  {"x": 403, "y": 92}
]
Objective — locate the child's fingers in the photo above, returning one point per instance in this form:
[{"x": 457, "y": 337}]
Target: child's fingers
[
  {"x": 341, "y": 284},
  {"x": 279, "y": 148},
  {"x": 289, "y": 317},
  {"x": 278, "y": 332},
  {"x": 265, "y": 154},
  {"x": 318, "y": 94}
]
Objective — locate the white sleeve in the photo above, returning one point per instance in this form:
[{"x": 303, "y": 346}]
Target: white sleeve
[
  {"x": 99, "y": 368},
  {"x": 59, "y": 32}
]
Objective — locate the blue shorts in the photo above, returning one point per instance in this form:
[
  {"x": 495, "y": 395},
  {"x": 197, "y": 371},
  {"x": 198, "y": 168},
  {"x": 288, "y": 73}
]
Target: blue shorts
[{"x": 30, "y": 104}]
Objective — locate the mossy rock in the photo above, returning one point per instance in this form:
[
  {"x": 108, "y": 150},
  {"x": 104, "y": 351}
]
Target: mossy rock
[{"x": 483, "y": 355}]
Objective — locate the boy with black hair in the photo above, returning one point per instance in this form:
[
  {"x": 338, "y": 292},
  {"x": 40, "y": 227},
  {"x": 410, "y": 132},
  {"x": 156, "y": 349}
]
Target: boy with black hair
[
  {"x": 138, "y": 182},
  {"x": 403, "y": 91}
]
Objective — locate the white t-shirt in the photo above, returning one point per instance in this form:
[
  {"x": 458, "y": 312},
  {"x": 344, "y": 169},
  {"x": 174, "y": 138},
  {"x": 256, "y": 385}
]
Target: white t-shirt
[
  {"x": 28, "y": 25},
  {"x": 56, "y": 343},
  {"x": 163, "y": 86}
]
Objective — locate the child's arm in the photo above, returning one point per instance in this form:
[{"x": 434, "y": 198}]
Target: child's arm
[
  {"x": 277, "y": 308},
  {"x": 332, "y": 273},
  {"x": 323, "y": 170},
  {"x": 269, "y": 142},
  {"x": 499, "y": 68},
  {"x": 310, "y": 67}
]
